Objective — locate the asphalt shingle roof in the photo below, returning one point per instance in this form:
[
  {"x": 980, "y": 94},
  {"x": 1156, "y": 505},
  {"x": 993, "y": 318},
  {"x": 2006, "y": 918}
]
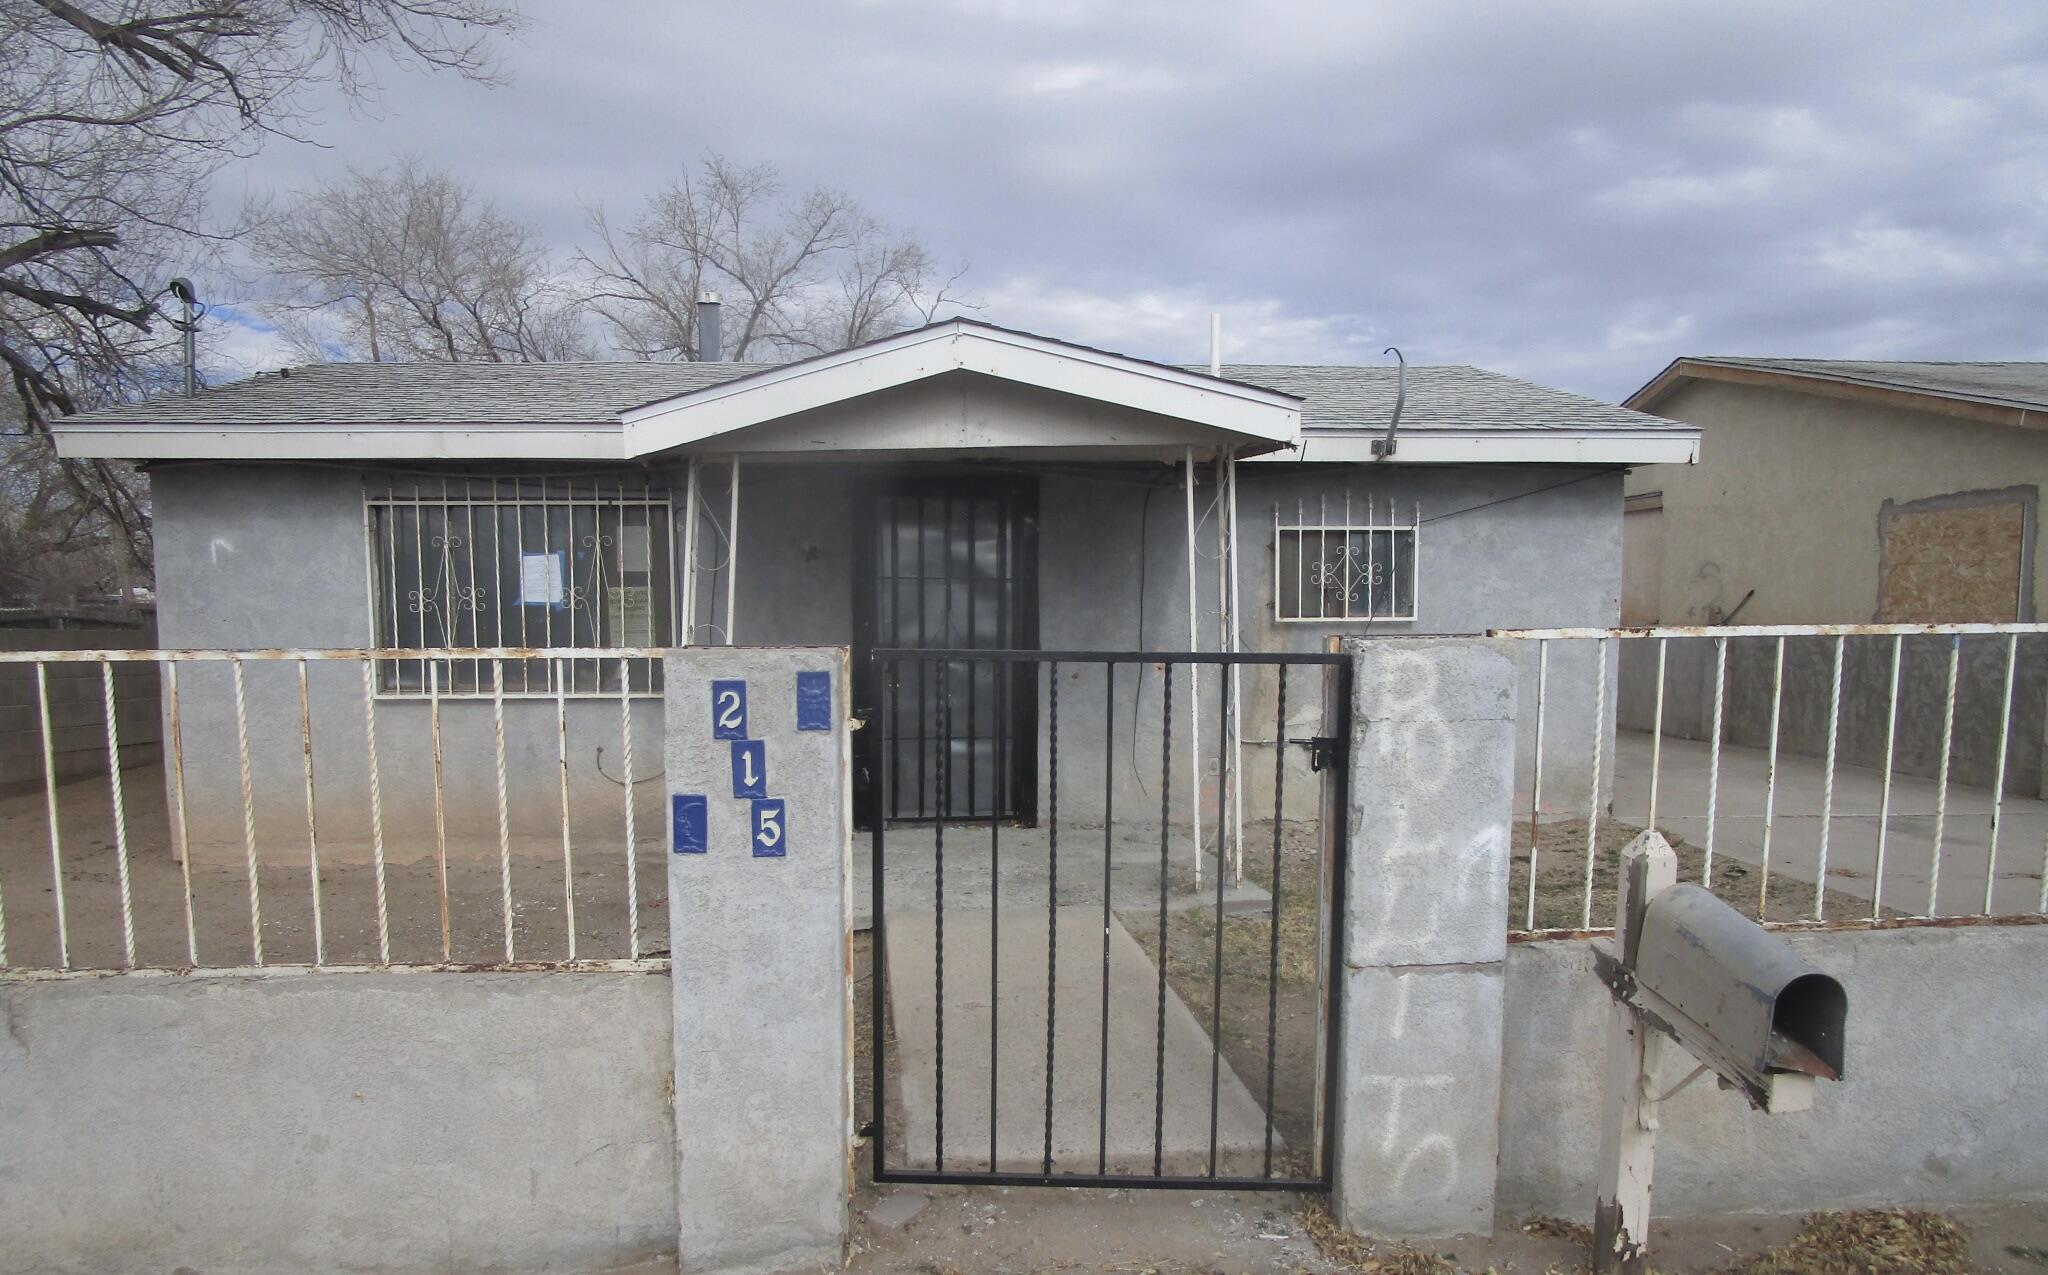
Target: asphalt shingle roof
[
  {"x": 434, "y": 394},
  {"x": 1450, "y": 397},
  {"x": 2013, "y": 384},
  {"x": 571, "y": 394}
]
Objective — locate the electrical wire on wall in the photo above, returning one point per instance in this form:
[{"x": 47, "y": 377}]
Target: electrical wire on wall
[{"x": 1144, "y": 526}]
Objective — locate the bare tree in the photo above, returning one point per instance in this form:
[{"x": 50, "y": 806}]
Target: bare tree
[
  {"x": 408, "y": 265},
  {"x": 54, "y": 547},
  {"x": 113, "y": 115},
  {"x": 800, "y": 274}
]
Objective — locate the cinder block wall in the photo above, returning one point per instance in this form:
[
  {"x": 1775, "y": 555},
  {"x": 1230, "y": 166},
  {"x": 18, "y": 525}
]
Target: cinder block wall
[
  {"x": 1941, "y": 1105},
  {"x": 78, "y": 714},
  {"x": 1472, "y": 1067},
  {"x": 336, "y": 1122}
]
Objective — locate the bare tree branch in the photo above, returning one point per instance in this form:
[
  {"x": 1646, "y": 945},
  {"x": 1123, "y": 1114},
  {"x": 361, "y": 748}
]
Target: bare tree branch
[
  {"x": 407, "y": 264},
  {"x": 797, "y": 275},
  {"x": 114, "y": 114}
]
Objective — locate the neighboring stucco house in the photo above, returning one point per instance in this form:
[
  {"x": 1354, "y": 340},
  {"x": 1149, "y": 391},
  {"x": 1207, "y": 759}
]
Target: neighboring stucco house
[
  {"x": 1849, "y": 492},
  {"x": 1843, "y": 492},
  {"x": 958, "y": 484}
]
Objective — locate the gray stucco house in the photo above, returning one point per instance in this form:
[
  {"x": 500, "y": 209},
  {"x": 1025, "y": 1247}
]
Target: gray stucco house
[{"x": 958, "y": 484}]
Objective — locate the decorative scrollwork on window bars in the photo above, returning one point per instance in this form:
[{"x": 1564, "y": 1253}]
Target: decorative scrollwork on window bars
[
  {"x": 520, "y": 562},
  {"x": 1341, "y": 571}
]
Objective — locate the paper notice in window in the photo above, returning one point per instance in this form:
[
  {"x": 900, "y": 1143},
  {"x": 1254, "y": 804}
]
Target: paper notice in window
[
  {"x": 540, "y": 579},
  {"x": 632, "y": 615}
]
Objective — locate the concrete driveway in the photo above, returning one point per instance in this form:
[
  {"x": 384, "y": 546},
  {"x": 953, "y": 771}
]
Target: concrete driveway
[{"x": 1912, "y": 884}]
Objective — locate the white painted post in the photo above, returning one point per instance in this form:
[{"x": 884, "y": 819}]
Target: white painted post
[
  {"x": 1194, "y": 683},
  {"x": 1628, "y": 1124}
]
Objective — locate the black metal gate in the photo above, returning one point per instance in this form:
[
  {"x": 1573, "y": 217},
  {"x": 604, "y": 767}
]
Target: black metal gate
[{"x": 1128, "y": 1002}]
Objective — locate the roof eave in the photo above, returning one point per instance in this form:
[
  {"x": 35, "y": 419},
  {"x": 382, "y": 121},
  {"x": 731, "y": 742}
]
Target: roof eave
[
  {"x": 1598, "y": 446},
  {"x": 1261, "y": 417},
  {"x": 256, "y": 441},
  {"x": 1833, "y": 385}
]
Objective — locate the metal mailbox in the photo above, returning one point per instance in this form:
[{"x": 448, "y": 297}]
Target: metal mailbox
[
  {"x": 1688, "y": 968},
  {"x": 1737, "y": 996}
]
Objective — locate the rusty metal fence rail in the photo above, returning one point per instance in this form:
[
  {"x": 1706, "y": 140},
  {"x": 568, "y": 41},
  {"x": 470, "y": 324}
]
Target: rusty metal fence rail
[
  {"x": 305, "y": 817},
  {"x": 1795, "y": 787}
]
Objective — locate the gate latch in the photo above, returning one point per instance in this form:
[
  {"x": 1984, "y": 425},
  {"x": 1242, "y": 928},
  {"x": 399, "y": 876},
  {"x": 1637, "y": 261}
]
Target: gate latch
[{"x": 1323, "y": 750}]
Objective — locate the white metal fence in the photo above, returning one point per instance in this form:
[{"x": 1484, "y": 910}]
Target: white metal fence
[
  {"x": 1805, "y": 797},
  {"x": 355, "y": 830}
]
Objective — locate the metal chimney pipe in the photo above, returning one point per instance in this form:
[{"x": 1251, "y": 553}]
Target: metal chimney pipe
[
  {"x": 182, "y": 289},
  {"x": 709, "y": 348}
]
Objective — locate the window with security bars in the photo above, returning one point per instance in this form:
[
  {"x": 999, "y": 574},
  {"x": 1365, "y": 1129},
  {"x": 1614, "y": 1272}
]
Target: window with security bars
[
  {"x": 521, "y": 563},
  {"x": 1345, "y": 570}
]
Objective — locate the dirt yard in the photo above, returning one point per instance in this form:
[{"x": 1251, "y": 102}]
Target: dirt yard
[
  {"x": 1561, "y": 879},
  {"x": 1065, "y": 1231},
  {"x": 220, "y": 894},
  {"x": 1249, "y": 1022}
]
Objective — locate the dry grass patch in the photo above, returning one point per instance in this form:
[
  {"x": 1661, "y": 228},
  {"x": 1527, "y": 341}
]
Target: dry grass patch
[
  {"x": 1868, "y": 1242},
  {"x": 1353, "y": 1252},
  {"x": 1559, "y": 1228},
  {"x": 1561, "y": 879},
  {"x": 1255, "y": 984}
]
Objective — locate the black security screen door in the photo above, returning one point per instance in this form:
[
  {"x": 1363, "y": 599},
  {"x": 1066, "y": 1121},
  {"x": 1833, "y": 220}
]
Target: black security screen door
[{"x": 952, "y": 563}]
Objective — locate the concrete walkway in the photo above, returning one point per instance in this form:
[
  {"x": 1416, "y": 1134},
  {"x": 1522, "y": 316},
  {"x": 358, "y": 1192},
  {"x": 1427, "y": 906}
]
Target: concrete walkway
[
  {"x": 1015, "y": 1069},
  {"x": 1025, "y": 856},
  {"x": 1853, "y": 830}
]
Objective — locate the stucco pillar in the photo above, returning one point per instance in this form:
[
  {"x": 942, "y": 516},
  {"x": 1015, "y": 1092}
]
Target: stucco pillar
[
  {"x": 1425, "y": 935},
  {"x": 758, "y": 872}
]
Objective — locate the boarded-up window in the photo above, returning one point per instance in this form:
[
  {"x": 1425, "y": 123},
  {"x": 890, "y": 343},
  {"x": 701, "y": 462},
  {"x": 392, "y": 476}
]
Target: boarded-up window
[{"x": 1953, "y": 563}]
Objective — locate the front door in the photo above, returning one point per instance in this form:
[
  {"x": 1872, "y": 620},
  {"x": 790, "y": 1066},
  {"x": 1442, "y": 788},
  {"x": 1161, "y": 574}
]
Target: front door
[{"x": 949, "y": 563}]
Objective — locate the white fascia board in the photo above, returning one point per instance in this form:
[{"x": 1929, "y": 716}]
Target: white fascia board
[
  {"x": 185, "y": 441},
  {"x": 721, "y": 409},
  {"x": 1501, "y": 447}
]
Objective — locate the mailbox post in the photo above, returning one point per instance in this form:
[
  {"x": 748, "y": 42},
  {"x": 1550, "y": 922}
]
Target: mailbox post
[{"x": 1693, "y": 975}]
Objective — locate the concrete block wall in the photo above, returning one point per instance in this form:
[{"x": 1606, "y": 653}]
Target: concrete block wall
[
  {"x": 1470, "y": 1069},
  {"x": 551, "y": 1120},
  {"x": 515, "y": 1121},
  {"x": 78, "y": 714},
  {"x": 1940, "y": 1106},
  {"x": 1424, "y": 934}
]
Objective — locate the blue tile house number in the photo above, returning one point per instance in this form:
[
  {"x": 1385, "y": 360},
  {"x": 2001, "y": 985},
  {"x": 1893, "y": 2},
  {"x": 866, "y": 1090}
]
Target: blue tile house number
[
  {"x": 771, "y": 829},
  {"x": 749, "y": 768},
  {"x": 728, "y": 709}
]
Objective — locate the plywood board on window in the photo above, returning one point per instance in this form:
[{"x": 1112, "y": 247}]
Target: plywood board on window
[{"x": 1953, "y": 564}]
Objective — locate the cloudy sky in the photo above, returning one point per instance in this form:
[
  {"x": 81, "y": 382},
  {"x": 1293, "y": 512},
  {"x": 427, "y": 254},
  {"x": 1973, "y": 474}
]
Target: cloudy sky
[{"x": 1570, "y": 192}]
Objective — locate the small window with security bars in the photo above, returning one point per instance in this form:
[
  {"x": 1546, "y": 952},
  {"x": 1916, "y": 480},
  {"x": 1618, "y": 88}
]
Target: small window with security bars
[
  {"x": 521, "y": 562},
  {"x": 1346, "y": 570}
]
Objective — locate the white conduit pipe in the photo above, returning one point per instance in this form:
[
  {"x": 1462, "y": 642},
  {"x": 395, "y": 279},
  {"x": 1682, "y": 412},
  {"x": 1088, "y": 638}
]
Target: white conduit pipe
[
  {"x": 732, "y": 556},
  {"x": 1223, "y": 723},
  {"x": 686, "y": 631},
  {"x": 1236, "y": 683},
  {"x": 1194, "y": 686}
]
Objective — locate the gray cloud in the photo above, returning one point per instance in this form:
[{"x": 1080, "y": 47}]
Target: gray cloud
[{"x": 1570, "y": 192}]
